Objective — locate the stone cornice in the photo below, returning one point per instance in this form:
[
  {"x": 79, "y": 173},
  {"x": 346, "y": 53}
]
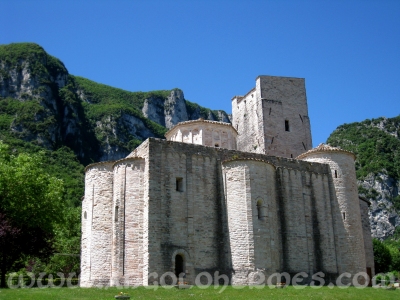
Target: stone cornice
[
  {"x": 249, "y": 158},
  {"x": 99, "y": 163},
  {"x": 126, "y": 159},
  {"x": 198, "y": 121},
  {"x": 113, "y": 162}
]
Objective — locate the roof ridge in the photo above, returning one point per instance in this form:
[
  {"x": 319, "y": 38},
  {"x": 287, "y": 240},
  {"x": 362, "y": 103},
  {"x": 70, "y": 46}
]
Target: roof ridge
[{"x": 324, "y": 148}]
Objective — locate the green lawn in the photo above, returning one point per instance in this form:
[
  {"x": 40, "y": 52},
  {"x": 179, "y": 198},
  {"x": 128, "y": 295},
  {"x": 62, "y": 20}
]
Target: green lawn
[{"x": 197, "y": 293}]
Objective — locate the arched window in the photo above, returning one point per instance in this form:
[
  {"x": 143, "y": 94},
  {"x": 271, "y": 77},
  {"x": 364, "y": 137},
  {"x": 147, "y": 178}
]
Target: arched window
[{"x": 261, "y": 209}]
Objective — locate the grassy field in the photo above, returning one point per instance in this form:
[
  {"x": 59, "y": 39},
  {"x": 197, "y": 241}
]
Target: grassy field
[{"x": 197, "y": 293}]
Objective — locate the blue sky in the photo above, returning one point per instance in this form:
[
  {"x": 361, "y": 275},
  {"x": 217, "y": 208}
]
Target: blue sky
[{"x": 348, "y": 51}]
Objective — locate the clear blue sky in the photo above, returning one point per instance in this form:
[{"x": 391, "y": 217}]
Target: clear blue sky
[{"x": 348, "y": 51}]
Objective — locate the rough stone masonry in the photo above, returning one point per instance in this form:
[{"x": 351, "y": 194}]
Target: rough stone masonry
[{"x": 240, "y": 199}]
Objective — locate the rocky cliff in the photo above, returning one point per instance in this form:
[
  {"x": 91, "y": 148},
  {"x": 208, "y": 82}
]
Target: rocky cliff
[
  {"x": 43, "y": 104},
  {"x": 381, "y": 189},
  {"x": 376, "y": 144}
]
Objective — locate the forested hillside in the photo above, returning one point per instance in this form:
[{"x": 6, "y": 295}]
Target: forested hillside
[{"x": 376, "y": 144}]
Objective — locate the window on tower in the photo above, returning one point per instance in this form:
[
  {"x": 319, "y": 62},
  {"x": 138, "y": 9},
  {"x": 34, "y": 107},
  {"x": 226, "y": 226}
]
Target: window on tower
[
  {"x": 179, "y": 184},
  {"x": 287, "y": 125}
]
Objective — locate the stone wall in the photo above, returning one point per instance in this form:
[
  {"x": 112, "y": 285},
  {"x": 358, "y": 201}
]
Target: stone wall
[
  {"x": 303, "y": 224},
  {"x": 220, "y": 210},
  {"x": 305, "y": 201},
  {"x": 247, "y": 120}
]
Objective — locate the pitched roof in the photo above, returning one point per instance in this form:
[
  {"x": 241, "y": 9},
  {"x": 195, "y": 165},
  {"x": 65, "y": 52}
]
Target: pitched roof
[{"x": 324, "y": 148}]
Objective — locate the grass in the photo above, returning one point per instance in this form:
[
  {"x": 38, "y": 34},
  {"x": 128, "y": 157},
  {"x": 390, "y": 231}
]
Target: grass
[{"x": 197, "y": 293}]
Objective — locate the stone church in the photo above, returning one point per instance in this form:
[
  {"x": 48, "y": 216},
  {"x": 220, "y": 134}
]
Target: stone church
[{"x": 241, "y": 198}]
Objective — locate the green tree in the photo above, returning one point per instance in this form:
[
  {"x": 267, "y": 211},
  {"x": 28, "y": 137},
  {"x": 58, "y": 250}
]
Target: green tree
[
  {"x": 31, "y": 205},
  {"x": 382, "y": 257},
  {"x": 67, "y": 244}
]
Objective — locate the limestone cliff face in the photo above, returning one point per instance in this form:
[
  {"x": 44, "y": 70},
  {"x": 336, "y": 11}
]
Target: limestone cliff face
[
  {"x": 49, "y": 115},
  {"x": 380, "y": 190},
  {"x": 174, "y": 109},
  {"x": 116, "y": 132}
]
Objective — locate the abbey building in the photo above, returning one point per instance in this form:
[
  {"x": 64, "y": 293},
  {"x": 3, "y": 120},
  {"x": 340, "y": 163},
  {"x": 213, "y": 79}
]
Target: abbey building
[{"x": 241, "y": 198}]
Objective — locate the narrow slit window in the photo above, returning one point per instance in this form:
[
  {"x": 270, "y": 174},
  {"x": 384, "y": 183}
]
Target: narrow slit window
[
  {"x": 116, "y": 214},
  {"x": 272, "y": 140},
  {"x": 344, "y": 216},
  {"x": 291, "y": 155},
  {"x": 301, "y": 118},
  {"x": 259, "y": 210},
  {"x": 287, "y": 128},
  {"x": 335, "y": 173},
  {"x": 85, "y": 215},
  {"x": 304, "y": 146},
  {"x": 179, "y": 184},
  {"x": 270, "y": 110}
]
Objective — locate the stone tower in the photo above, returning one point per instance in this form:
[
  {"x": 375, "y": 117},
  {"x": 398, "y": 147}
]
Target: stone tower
[
  {"x": 96, "y": 219},
  {"x": 273, "y": 117},
  {"x": 349, "y": 229}
]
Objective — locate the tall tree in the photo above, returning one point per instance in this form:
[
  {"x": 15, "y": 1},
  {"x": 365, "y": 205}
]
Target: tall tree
[{"x": 31, "y": 205}]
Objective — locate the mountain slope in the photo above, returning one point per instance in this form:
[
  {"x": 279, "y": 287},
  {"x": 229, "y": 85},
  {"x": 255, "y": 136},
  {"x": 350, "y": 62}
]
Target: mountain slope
[
  {"x": 376, "y": 144},
  {"x": 43, "y": 104}
]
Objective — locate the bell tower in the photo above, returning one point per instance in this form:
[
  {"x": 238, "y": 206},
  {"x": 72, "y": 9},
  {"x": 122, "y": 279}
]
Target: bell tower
[{"x": 273, "y": 117}]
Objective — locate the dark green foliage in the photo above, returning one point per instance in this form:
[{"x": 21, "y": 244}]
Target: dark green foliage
[
  {"x": 40, "y": 62},
  {"x": 61, "y": 163},
  {"x": 29, "y": 116},
  {"x": 30, "y": 206},
  {"x": 393, "y": 245},
  {"x": 377, "y": 150},
  {"x": 382, "y": 257},
  {"x": 105, "y": 94},
  {"x": 67, "y": 244},
  {"x": 193, "y": 109}
]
